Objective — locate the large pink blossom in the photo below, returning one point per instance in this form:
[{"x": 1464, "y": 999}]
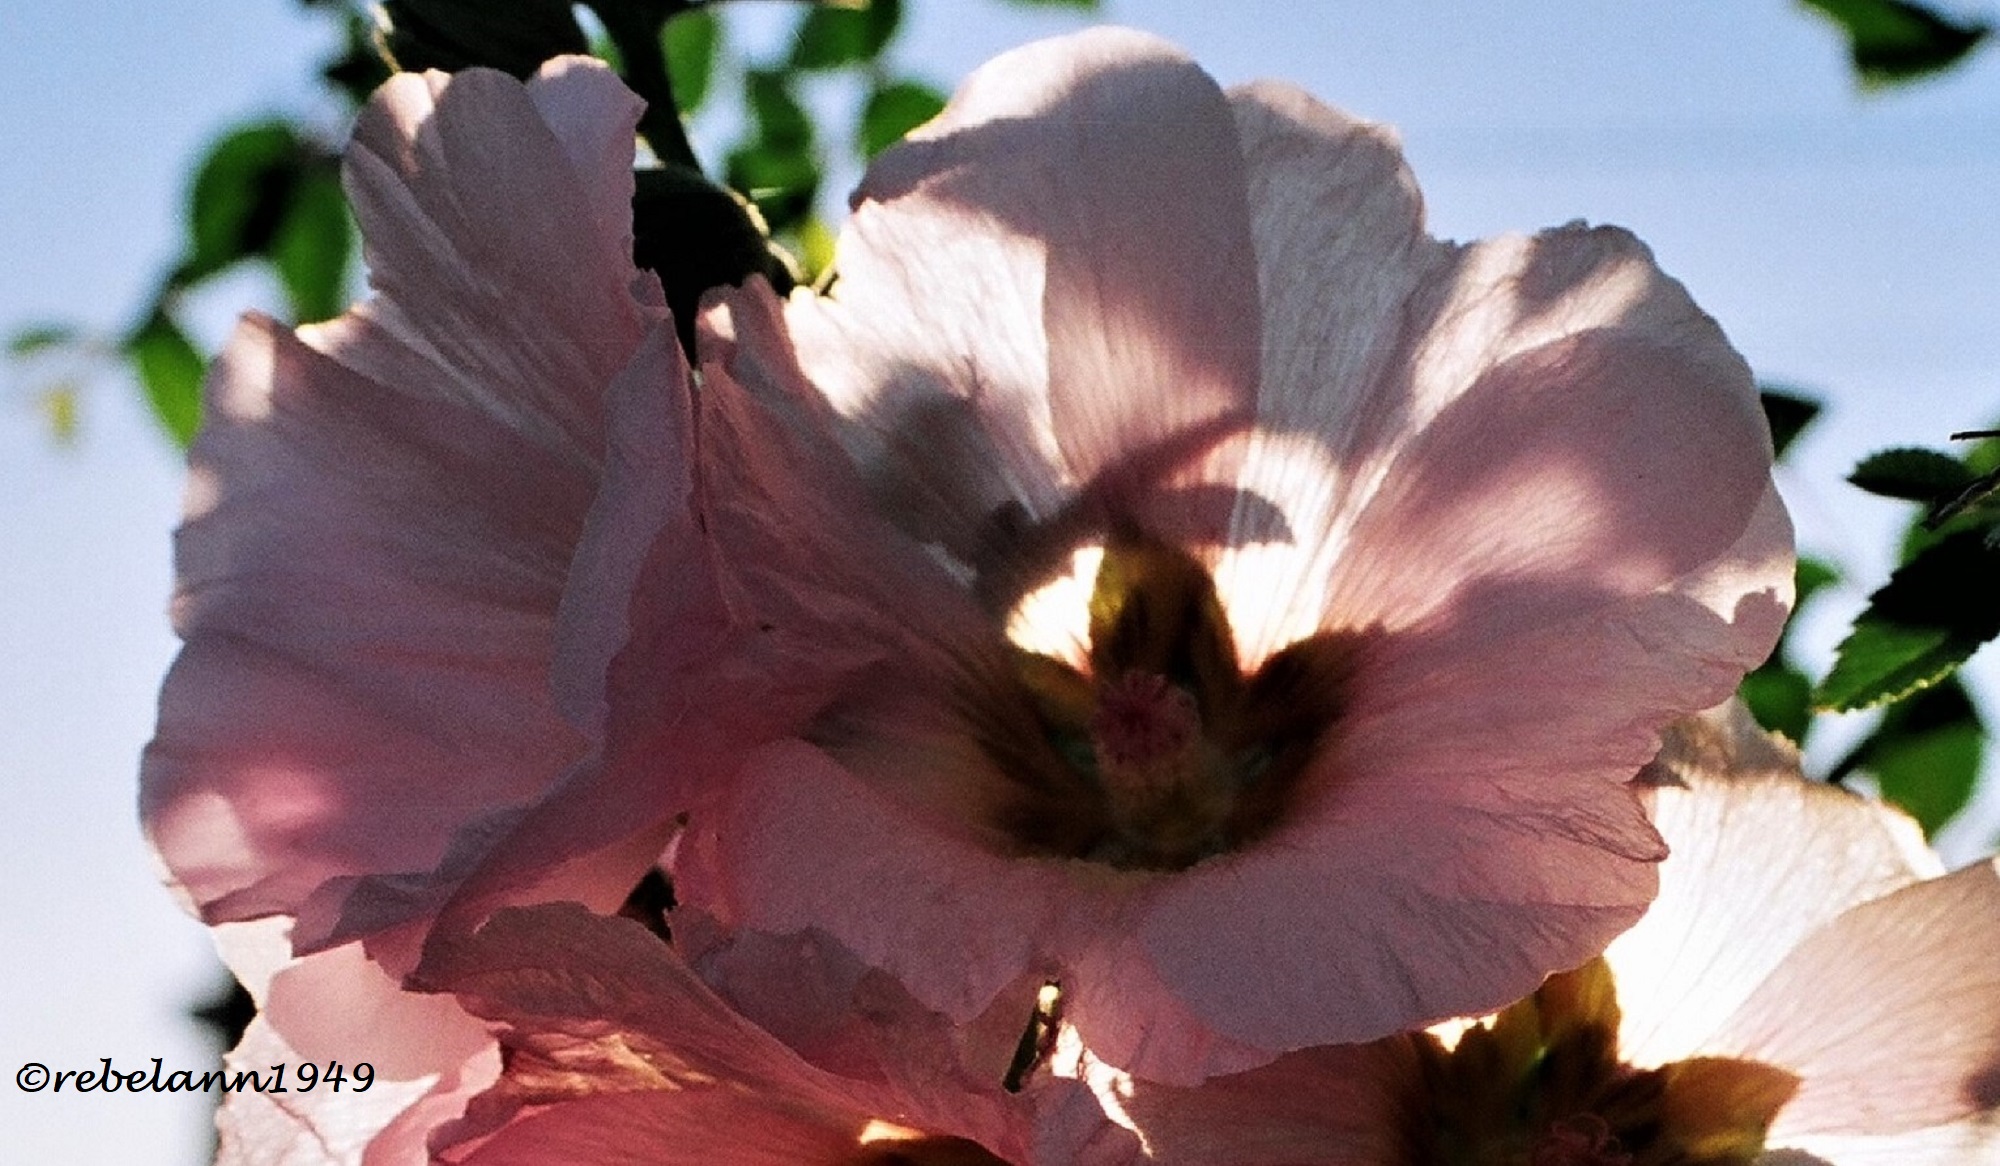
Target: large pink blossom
[
  {"x": 1160, "y": 566},
  {"x": 1809, "y": 989},
  {"x": 381, "y": 520},
  {"x": 482, "y": 602}
]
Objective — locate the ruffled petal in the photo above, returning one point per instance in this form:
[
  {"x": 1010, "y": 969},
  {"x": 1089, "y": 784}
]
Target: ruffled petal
[
  {"x": 382, "y": 511},
  {"x": 1057, "y": 273},
  {"x": 1890, "y": 1014},
  {"x": 1757, "y": 865},
  {"x": 1338, "y": 227},
  {"x": 425, "y": 1055},
  {"x": 592, "y": 1008}
]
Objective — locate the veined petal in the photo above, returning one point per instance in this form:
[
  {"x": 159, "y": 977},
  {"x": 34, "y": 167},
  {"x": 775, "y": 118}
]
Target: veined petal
[
  {"x": 1889, "y": 1014},
  {"x": 1757, "y": 865},
  {"x": 1059, "y": 269},
  {"x": 382, "y": 511}
]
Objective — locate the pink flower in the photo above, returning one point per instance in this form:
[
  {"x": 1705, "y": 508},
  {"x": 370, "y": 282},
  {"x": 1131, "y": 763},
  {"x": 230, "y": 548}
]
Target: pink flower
[
  {"x": 1808, "y": 988},
  {"x": 382, "y": 517},
  {"x": 1159, "y": 566}
]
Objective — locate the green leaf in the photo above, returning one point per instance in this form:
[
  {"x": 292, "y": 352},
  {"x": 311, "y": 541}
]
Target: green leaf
[
  {"x": 1926, "y": 753},
  {"x": 1780, "y": 697},
  {"x": 833, "y": 38},
  {"x": 517, "y": 35},
  {"x": 1892, "y": 41},
  {"x": 893, "y": 110},
  {"x": 241, "y": 194},
  {"x": 40, "y": 338},
  {"x": 1913, "y": 475},
  {"x": 171, "y": 371},
  {"x": 780, "y": 121},
  {"x": 1809, "y": 578},
  {"x": 1779, "y": 693},
  {"x": 781, "y": 182},
  {"x": 313, "y": 247},
  {"x": 778, "y": 168},
  {"x": 1789, "y": 412},
  {"x": 691, "y": 42},
  {"x": 1935, "y": 611}
]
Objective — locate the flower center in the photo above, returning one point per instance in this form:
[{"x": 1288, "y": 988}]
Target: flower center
[
  {"x": 1159, "y": 751},
  {"x": 1541, "y": 1085}
]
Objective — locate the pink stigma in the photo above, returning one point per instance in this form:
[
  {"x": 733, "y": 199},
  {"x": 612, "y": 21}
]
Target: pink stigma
[
  {"x": 1142, "y": 718},
  {"x": 1583, "y": 1140}
]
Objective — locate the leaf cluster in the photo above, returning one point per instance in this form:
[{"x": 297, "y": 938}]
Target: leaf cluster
[{"x": 1938, "y": 607}]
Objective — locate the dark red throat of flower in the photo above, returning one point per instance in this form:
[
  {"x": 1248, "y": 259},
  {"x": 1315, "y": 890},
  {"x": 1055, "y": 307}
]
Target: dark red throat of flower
[
  {"x": 1163, "y": 751},
  {"x": 1143, "y": 721}
]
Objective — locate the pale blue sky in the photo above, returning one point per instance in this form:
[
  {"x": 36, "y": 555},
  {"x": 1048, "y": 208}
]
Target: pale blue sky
[{"x": 1846, "y": 242}]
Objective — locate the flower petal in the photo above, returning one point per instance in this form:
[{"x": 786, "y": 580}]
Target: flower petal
[
  {"x": 382, "y": 510},
  {"x": 1059, "y": 268},
  {"x": 1890, "y": 1014},
  {"x": 1757, "y": 864},
  {"x": 425, "y": 1056}
]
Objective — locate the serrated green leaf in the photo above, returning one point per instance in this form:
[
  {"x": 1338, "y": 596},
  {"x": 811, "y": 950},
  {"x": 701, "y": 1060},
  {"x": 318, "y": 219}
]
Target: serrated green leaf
[
  {"x": 1789, "y": 412},
  {"x": 516, "y": 36},
  {"x": 313, "y": 247},
  {"x": 171, "y": 371},
  {"x": 40, "y": 338},
  {"x": 1891, "y": 41},
  {"x": 691, "y": 42},
  {"x": 241, "y": 193},
  {"x": 834, "y": 38},
  {"x": 893, "y": 110},
  {"x": 1935, "y": 611},
  {"x": 1925, "y": 755},
  {"x": 1912, "y": 475}
]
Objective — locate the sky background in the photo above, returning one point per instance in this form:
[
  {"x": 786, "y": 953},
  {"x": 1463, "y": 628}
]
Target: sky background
[{"x": 1848, "y": 242}]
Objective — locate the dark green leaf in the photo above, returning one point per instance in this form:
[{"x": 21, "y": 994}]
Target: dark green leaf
[
  {"x": 691, "y": 42},
  {"x": 833, "y": 38},
  {"x": 1913, "y": 475},
  {"x": 1780, "y": 697},
  {"x": 1788, "y": 412},
  {"x": 242, "y": 192},
  {"x": 313, "y": 246},
  {"x": 894, "y": 110},
  {"x": 1779, "y": 693},
  {"x": 778, "y": 168},
  {"x": 358, "y": 68},
  {"x": 171, "y": 371},
  {"x": 1895, "y": 40},
  {"x": 1925, "y": 755},
  {"x": 781, "y": 182},
  {"x": 1809, "y": 578},
  {"x": 1936, "y": 610},
  {"x": 40, "y": 338},
  {"x": 696, "y": 236},
  {"x": 516, "y": 36},
  {"x": 781, "y": 122}
]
